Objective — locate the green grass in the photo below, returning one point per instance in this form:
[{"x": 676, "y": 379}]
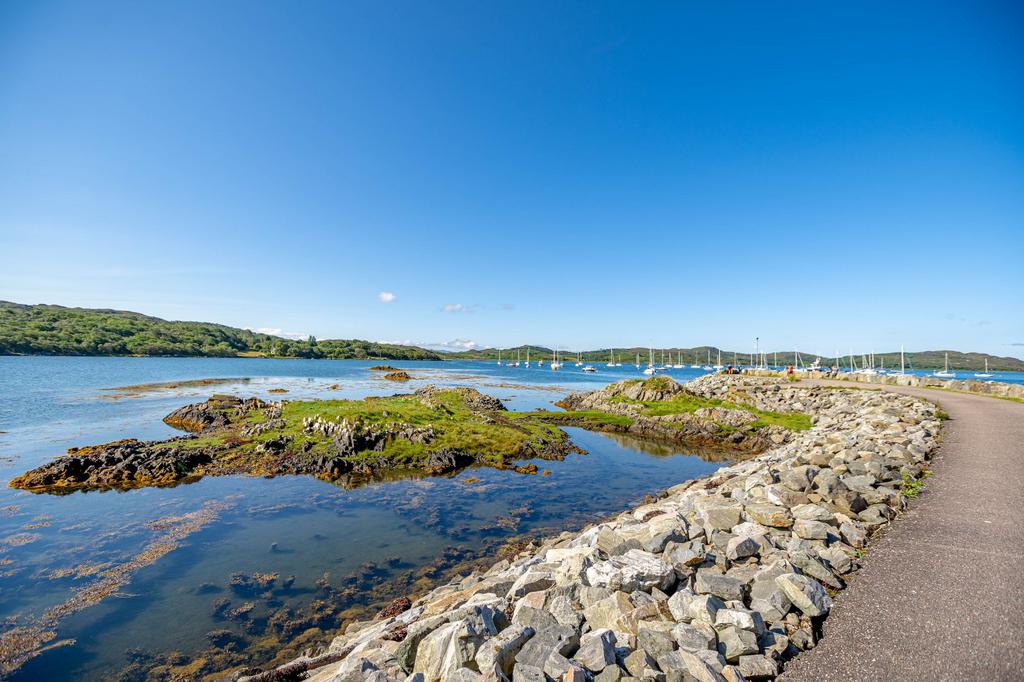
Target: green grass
[
  {"x": 912, "y": 487},
  {"x": 584, "y": 418}
]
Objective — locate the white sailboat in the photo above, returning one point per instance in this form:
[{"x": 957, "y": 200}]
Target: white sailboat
[
  {"x": 696, "y": 361},
  {"x": 579, "y": 363},
  {"x": 527, "y": 357},
  {"x": 638, "y": 361},
  {"x": 499, "y": 357},
  {"x": 945, "y": 373},
  {"x": 719, "y": 366},
  {"x": 517, "y": 358},
  {"x": 611, "y": 359},
  {"x": 985, "y": 374},
  {"x": 679, "y": 362},
  {"x": 555, "y": 364},
  {"x": 650, "y": 365},
  {"x": 708, "y": 367}
]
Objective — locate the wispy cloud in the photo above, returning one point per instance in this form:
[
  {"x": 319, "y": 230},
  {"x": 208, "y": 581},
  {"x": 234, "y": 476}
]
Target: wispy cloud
[
  {"x": 459, "y": 308},
  {"x": 1016, "y": 343},
  {"x": 277, "y": 331},
  {"x": 386, "y": 297}
]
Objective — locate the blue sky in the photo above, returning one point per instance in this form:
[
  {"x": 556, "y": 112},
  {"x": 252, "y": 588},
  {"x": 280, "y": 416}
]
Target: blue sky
[{"x": 821, "y": 175}]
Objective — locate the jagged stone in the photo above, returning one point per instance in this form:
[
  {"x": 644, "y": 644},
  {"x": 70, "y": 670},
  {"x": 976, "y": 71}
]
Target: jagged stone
[{"x": 806, "y": 593}]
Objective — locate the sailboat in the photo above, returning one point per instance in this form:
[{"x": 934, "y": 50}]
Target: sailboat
[
  {"x": 679, "y": 361},
  {"x": 527, "y": 357},
  {"x": 650, "y": 365},
  {"x": 579, "y": 363},
  {"x": 611, "y": 359},
  {"x": 696, "y": 361},
  {"x": 708, "y": 367},
  {"x": 555, "y": 364},
  {"x": 719, "y": 365},
  {"x": 517, "y": 358},
  {"x": 945, "y": 373},
  {"x": 985, "y": 374},
  {"x": 638, "y": 361},
  {"x": 499, "y": 357}
]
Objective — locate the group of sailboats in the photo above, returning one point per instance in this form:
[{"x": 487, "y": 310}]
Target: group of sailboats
[{"x": 867, "y": 364}]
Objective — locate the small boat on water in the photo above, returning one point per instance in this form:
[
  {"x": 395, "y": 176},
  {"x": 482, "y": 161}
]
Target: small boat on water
[
  {"x": 985, "y": 374},
  {"x": 578, "y": 361},
  {"x": 589, "y": 368},
  {"x": 679, "y": 362},
  {"x": 527, "y": 365},
  {"x": 499, "y": 357},
  {"x": 650, "y": 365},
  {"x": 555, "y": 364},
  {"x": 945, "y": 373},
  {"x": 719, "y": 366},
  {"x": 696, "y": 361}
]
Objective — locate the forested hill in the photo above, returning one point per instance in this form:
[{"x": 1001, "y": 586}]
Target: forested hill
[{"x": 55, "y": 330}]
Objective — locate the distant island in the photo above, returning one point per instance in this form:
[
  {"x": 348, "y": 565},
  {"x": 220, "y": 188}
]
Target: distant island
[{"x": 56, "y": 330}]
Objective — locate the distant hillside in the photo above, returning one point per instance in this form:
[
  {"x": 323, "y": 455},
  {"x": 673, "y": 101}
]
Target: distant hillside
[
  {"x": 55, "y": 330},
  {"x": 932, "y": 359}
]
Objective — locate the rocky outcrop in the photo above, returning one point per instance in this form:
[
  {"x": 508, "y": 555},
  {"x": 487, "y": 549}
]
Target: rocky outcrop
[
  {"x": 123, "y": 463},
  {"x": 732, "y": 427},
  {"x": 472, "y": 398},
  {"x": 358, "y": 440},
  {"x": 218, "y": 411},
  {"x": 723, "y": 578}
]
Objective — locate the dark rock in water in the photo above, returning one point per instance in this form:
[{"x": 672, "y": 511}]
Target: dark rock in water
[
  {"x": 122, "y": 463},
  {"x": 224, "y": 638},
  {"x": 446, "y": 460},
  {"x": 219, "y": 410},
  {"x": 397, "y": 376}
]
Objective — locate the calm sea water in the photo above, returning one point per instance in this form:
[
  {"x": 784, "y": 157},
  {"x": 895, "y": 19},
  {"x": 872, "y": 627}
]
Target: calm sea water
[{"x": 343, "y": 546}]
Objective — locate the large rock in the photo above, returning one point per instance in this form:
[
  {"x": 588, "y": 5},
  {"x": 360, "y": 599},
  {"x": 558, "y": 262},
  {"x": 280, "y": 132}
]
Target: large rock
[
  {"x": 806, "y": 593},
  {"x": 597, "y": 650},
  {"x": 769, "y": 515},
  {"x": 452, "y": 646},
  {"x": 712, "y": 582},
  {"x": 634, "y": 570},
  {"x": 497, "y": 655}
]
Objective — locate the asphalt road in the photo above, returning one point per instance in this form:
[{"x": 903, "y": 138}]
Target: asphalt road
[{"x": 939, "y": 596}]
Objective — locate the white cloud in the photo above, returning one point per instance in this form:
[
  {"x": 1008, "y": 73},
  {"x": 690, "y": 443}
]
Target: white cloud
[
  {"x": 456, "y": 345},
  {"x": 386, "y": 297},
  {"x": 277, "y": 331},
  {"x": 449, "y": 346}
]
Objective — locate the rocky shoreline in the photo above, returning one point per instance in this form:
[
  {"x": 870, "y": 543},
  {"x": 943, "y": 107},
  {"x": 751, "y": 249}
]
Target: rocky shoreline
[
  {"x": 995, "y": 389},
  {"x": 722, "y": 578}
]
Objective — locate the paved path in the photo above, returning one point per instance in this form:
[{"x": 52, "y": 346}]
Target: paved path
[{"x": 939, "y": 596}]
